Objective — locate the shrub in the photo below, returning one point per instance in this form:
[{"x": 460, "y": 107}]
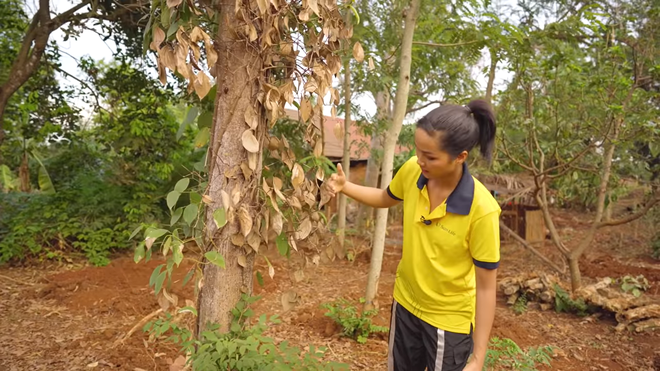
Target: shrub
[{"x": 354, "y": 325}]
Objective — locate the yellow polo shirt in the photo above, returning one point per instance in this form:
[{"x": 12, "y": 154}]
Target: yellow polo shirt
[{"x": 435, "y": 279}]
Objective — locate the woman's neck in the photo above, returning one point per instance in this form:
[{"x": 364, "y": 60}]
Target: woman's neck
[{"x": 448, "y": 183}]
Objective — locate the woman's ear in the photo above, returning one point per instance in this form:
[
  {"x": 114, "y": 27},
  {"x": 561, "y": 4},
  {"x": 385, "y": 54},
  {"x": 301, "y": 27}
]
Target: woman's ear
[{"x": 462, "y": 157}]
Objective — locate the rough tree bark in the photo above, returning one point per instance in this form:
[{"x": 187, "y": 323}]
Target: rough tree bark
[
  {"x": 491, "y": 75},
  {"x": 238, "y": 69},
  {"x": 400, "y": 106},
  {"x": 346, "y": 155}
]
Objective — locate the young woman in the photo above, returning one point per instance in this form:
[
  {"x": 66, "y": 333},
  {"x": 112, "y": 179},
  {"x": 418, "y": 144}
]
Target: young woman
[{"x": 444, "y": 293}]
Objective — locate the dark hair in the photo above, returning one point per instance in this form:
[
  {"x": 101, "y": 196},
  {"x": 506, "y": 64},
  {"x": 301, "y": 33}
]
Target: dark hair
[{"x": 461, "y": 128}]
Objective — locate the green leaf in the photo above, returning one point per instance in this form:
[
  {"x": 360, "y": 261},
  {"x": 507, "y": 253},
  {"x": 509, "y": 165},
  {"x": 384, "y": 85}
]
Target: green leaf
[
  {"x": 139, "y": 252},
  {"x": 195, "y": 198},
  {"x": 202, "y": 138},
  {"x": 355, "y": 13},
  {"x": 45, "y": 183},
  {"x": 205, "y": 120},
  {"x": 176, "y": 216},
  {"x": 190, "y": 213},
  {"x": 158, "y": 283},
  {"x": 7, "y": 179},
  {"x": 188, "y": 276},
  {"x": 189, "y": 310},
  {"x": 136, "y": 231},
  {"x": 182, "y": 185},
  {"x": 190, "y": 117},
  {"x": 282, "y": 244},
  {"x": 154, "y": 232},
  {"x": 167, "y": 245},
  {"x": 177, "y": 252},
  {"x": 220, "y": 217},
  {"x": 172, "y": 199},
  {"x": 172, "y": 30},
  {"x": 155, "y": 274},
  {"x": 165, "y": 16},
  {"x": 215, "y": 258},
  {"x": 260, "y": 279}
]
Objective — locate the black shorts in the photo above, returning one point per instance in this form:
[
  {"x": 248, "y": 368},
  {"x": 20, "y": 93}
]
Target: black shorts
[{"x": 415, "y": 345}]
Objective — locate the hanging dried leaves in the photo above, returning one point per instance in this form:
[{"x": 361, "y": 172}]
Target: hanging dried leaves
[
  {"x": 245, "y": 220},
  {"x": 250, "y": 142},
  {"x": 358, "y": 52},
  {"x": 297, "y": 175}
]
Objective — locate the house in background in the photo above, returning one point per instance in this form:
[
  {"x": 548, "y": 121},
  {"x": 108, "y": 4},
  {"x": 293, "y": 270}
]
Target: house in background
[{"x": 333, "y": 147}]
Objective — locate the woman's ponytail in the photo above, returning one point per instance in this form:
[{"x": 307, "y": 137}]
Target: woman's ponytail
[{"x": 483, "y": 114}]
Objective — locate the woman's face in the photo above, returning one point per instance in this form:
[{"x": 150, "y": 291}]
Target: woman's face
[{"x": 434, "y": 161}]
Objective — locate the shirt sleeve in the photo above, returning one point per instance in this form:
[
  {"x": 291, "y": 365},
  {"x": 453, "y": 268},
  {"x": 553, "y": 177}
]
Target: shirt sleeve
[
  {"x": 397, "y": 187},
  {"x": 485, "y": 241}
]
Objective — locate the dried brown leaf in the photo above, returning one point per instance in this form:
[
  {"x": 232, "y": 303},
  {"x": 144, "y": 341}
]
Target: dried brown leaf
[
  {"x": 202, "y": 84},
  {"x": 338, "y": 130},
  {"x": 325, "y": 195},
  {"x": 251, "y": 118},
  {"x": 265, "y": 186},
  {"x": 277, "y": 223},
  {"x": 299, "y": 275},
  {"x": 162, "y": 72},
  {"x": 254, "y": 240},
  {"x": 242, "y": 261},
  {"x": 236, "y": 194},
  {"x": 158, "y": 38},
  {"x": 305, "y": 109},
  {"x": 311, "y": 85},
  {"x": 297, "y": 175},
  {"x": 238, "y": 240},
  {"x": 226, "y": 201},
  {"x": 250, "y": 142},
  {"x": 252, "y": 32},
  {"x": 372, "y": 66},
  {"x": 304, "y": 15},
  {"x": 314, "y": 6},
  {"x": 358, "y": 52},
  {"x": 292, "y": 242},
  {"x": 320, "y": 174},
  {"x": 310, "y": 199},
  {"x": 294, "y": 202},
  {"x": 289, "y": 300},
  {"x": 173, "y": 3},
  {"x": 273, "y": 143},
  {"x": 252, "y": 160},
  {"x": 263, "y": 6},
  {"x": 318, "y": 148},
  {"x": 277, "y": 183},
  {"x": 304, "y": 229},
  {"x": 247, "y": 172},
  {"x": 245, "y": 220}
]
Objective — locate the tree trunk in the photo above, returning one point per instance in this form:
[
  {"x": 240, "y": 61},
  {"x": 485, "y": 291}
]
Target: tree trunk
[
  {"x": 238, "y": 70},
  {"x": 400, "y": 106},
  {"x": 24, "y": 173},
  {"x": 491, "y": 75},
  {"x": 365, "y": 213},
  {"x": 346, "y": 155},
  {"x": 28, "y": 58}
]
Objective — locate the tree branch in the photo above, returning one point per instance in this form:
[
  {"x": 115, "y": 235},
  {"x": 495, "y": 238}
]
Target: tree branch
[
  {"x": 411, "y": 110},
  {"x": 649, "y": 205},
  {"x": 530, "y": 248},
  {"x": 445, "y": 45}
]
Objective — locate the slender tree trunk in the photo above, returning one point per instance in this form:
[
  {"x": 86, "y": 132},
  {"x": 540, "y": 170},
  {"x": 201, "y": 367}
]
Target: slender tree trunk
[
  {"x": 24, "y": 173},
  {"x": 400, "y": 106},
  {"x": 491, "y": 75},
  {"x": 238, "y": 70},
  {"x": 365, "y": 213},
  {"x": 346, "y": 158}
]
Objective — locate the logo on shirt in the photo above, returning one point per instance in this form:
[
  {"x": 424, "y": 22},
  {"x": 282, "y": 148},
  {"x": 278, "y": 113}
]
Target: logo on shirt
[{"x": 446, "y": 229}]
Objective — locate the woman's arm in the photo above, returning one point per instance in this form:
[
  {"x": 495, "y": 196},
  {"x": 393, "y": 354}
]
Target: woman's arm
[
  {"x": 374, "y": 197},
  {"x": 486, "y": 293}
]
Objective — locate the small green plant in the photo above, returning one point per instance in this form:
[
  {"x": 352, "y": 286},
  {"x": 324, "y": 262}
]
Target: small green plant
[
  {"x": 655, "y": 247},
  {"x": 505, "y": 353},
  {"x": 564, "y": 303},
  {"x": 520, "y": 306},
  {"x": 243, "y": 347},
  {"x": 634, "y": 285},
  {"x": 354, "y": 325}
]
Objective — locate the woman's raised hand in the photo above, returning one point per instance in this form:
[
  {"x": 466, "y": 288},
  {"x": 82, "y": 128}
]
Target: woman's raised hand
[{"x": 337, "y": 181}]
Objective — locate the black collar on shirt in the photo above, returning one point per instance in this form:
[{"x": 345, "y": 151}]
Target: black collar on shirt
[{"x": 460, "y": 200}]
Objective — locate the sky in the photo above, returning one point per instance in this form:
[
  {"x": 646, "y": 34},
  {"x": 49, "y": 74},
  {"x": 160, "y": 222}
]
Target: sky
[{"x": 90, "y": 44}]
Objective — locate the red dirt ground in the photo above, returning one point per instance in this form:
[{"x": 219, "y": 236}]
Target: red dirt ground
[{"x": 67, "y": 316}]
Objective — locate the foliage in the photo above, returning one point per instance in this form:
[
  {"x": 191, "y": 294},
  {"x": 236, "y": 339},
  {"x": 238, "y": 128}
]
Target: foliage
[
  {"x": 633, "y": 285},
  {"x": 564, "y": 303},
  {"x": 507, "y": 354},
  {"x": 354, "y": 325},
  {"x": 243, "y": 348},
  {"x": 655, "y": 246},
  {"x": 520, "y": 306}
]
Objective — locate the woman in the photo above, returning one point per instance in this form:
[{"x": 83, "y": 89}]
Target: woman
[{"x": 444, "y": 293}]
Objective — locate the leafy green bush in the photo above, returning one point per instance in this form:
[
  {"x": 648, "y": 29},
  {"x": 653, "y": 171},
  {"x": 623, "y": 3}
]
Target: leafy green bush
[
  {"x": 243, "y": 348},
  {"x": 505, "y": 353},
  {"x": 564, "y": 303},
  {"x": 354, "y": 325},
  {"x": 634, "y": 285}
]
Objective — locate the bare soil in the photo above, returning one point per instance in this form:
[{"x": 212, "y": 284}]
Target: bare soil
[{"x": 66, "y": 316}]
